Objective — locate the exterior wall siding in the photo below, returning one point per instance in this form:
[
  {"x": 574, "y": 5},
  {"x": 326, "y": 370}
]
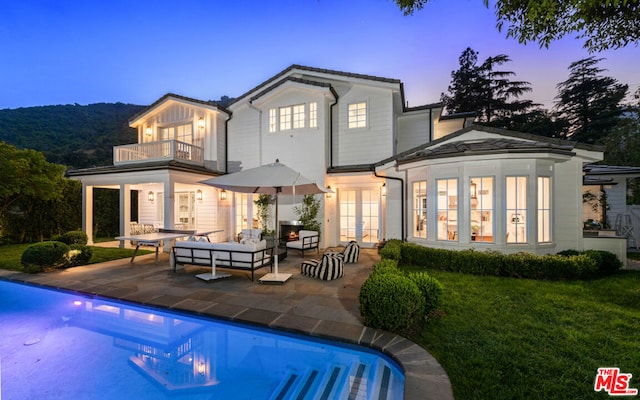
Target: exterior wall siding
[{"x": 372, "y": 143}]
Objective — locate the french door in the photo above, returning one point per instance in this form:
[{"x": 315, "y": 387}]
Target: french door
[{"x": 360, "y": 215}]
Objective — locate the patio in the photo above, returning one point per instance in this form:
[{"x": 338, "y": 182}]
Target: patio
[{"x": 327, "y": 309}]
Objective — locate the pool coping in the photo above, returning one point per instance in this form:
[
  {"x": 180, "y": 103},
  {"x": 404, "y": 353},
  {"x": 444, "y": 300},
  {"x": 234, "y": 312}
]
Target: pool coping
[{"x": 425, "y": 378}]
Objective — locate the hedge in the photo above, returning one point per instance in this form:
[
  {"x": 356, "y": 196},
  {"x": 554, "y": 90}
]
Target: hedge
[
  {"x": 43, "y": 255},
  {"x": 568, "y": 265}
]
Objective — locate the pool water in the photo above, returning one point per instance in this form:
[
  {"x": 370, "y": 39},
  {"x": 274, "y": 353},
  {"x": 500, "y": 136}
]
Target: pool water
[{"x": 61, "y": 345}]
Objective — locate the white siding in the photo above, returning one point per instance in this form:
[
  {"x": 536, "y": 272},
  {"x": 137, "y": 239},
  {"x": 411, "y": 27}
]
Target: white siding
[
  {"x": 567, "y": 205},
  {"x": 244, "y": 139},
  {"x": 370, "y": 144},
  {"x": 413, "y": 130}
]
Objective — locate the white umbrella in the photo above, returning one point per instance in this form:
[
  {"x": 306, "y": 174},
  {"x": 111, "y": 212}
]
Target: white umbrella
[{"x": 276, "y": 179}]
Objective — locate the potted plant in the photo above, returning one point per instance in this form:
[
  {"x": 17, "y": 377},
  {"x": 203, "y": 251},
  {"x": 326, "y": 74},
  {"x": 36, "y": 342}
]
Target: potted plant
[
  {"x": 264, "y": 217},
  {"x": 308, "y": 211},
  {"x": 474, "y": 232}
]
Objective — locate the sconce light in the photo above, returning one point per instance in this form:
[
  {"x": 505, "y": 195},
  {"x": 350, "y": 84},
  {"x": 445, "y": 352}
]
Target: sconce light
[
  {"x": 329, "y": 194},
  {"x": 151, "y": 196},
  {"x": 199, "y": 195},
  {"x": 148, "y": 130},
  {"x": 384, "y": 189},
  {"x": 223, "y": 195},
  {"x": 201, "y": 368},
  {"x": 201, "y": 122}
]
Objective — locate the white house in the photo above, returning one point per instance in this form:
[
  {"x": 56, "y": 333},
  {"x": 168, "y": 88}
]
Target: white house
[{"x": 396, "y": 171}]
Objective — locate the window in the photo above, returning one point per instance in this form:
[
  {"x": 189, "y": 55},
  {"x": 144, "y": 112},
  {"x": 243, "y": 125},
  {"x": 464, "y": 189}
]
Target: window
[
  {"x": 313, "y": 115},
  {"x": 285, "y": 118},
  {"x": 298, "y": 116},
  {"x": 293, "y": 117},
  {"x": 447, "y": 206},
  {"x": 481, "y": 203},
  {"x": 516, "y": 192},
  {"x": 181, "y": 133},
  {"x": 273, "y": 120},
  {"x": 420, "y": 209},
  {"x": 357, "y": 115},
  {"x": 544, "y": 209}
]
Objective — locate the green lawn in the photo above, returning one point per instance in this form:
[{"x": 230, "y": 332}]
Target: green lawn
[
  {"x": 10, "y": 255},
  {"x": 505, "y": 338}
]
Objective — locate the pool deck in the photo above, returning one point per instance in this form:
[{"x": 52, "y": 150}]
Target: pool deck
[{"x": 326, "y": 309}]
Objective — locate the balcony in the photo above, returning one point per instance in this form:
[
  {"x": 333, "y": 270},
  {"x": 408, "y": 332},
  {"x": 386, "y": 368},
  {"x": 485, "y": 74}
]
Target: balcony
[{"x": 158, "y": 151}]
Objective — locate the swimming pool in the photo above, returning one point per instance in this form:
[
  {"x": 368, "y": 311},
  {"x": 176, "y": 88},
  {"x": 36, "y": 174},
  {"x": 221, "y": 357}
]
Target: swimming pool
[{"x": 61, "y": 345}]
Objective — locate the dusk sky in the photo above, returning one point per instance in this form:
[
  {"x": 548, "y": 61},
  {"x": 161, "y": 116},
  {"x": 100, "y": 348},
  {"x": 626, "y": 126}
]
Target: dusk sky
[{"x": 90, "y": 51}]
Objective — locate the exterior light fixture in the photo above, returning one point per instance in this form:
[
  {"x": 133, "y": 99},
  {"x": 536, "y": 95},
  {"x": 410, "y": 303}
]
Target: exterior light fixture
[
  {"x": 201, "y": 122},
  {"x": 147, "y": 130},
  {"x": 223, "y": 195},
  {"x": 151, "y": 196},
  {"x": 201, "y": 368},
  {"x": 329, "y": 193},
  {"x": 384, "y": 189},
  {"x": 199, "y": 195}
]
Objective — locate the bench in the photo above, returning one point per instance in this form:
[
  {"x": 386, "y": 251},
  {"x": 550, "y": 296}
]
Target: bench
[{"x": 246, "y": 256}]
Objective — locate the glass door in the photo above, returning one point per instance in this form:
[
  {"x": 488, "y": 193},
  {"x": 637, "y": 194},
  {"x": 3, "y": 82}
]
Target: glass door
[
  {"x": 186, "y": 215},
  {"x": 359, "y": 215}
]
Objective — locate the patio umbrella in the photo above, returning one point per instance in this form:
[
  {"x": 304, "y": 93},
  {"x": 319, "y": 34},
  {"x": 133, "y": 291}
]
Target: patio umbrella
[{"x": 275, "y": 179}]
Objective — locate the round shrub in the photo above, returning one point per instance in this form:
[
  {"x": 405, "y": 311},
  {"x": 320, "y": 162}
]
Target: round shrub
[
  {"x": 430, "y": 287},
  {"x": 71, "y": 237},
  {"x": 386, "y": 266},
  {"x": 391, "y": 302},
  {"x": 608, "y": 263},
  {"x": 43, "y": 255},
  {"x": 79, "y": 254}
]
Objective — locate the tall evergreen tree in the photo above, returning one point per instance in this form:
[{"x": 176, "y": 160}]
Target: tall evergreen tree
[
  {"x": 487, "y": 91},
  {"x": 590, "y": 103}
]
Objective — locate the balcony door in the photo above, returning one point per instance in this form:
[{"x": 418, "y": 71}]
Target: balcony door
[{"x": 360, "y": 215}]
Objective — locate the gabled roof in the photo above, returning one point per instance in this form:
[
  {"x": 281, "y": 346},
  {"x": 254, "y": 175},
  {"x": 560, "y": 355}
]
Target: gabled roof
[
  {"x": 169, "y": 96},
  {"x": 508, "y": 142},
  {"x": 309, "y": 82}
]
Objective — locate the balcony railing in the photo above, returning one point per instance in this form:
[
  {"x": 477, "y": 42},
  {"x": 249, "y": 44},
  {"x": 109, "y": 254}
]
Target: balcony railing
[{"x": 157, "y": 151}]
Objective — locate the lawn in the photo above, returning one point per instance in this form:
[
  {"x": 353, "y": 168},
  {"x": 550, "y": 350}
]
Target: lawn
[
  {"x": 505, "y": 338},
  {"x": 10, "y": 255}
]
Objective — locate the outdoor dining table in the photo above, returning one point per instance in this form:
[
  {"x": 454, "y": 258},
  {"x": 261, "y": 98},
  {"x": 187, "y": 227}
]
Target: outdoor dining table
[{"x": 157, "y": 238}]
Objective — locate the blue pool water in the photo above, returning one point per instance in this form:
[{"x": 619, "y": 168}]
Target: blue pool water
[{"x": 60, "y": 345}]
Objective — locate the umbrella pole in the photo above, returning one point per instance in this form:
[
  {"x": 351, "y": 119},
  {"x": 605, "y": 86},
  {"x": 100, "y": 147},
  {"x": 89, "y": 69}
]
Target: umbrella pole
[{"x": 275, "y": 277}]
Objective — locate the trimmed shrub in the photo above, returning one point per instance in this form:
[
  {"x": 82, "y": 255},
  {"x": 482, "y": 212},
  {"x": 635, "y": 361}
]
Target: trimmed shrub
[
  {"x": 386, "y": 266},
  {"x": 71, "y": 237},
  {"x": 43, "y": 255},
  {"x": 391, "y": 250},
  {"x": 607, "y": 262},
  {"x": 391, "y": 302},
  {"x": 430, "y": 287},
  {"x": 79, "y": 254}
]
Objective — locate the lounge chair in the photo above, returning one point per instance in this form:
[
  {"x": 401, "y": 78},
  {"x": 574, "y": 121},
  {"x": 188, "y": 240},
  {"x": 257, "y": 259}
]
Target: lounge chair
[
  {"x": 350, "y": 254},
  {"x": 328, "y": 268}
]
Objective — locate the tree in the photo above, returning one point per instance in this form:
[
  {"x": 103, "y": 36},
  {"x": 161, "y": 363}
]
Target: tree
[
  {"x": 26, "y": 173},
  {"x": 489, "y": 92},
  {"x": 308, "y": 211},
  {"x": 589, "y": 102},
  {"x": 608, "y": 24}
]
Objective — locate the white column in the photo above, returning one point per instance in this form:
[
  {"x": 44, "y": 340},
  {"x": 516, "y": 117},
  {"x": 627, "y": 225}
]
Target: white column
[
  {"x": 169, "y": 208},
  {"x": 125, "y": 211},
  {"x": 87, "y": 212}
]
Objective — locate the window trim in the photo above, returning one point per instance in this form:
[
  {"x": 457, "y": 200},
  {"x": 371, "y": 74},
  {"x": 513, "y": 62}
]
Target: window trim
[{"x": 358, "y": 123}]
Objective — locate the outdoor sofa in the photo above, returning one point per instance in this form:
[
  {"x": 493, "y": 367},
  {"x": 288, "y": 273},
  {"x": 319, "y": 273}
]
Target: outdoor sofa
[{"x": 249, "y": 255}]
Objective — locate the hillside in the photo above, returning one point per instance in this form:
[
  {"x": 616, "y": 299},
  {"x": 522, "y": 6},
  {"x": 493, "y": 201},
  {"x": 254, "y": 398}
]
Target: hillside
[{"x": 74, "y": 135}]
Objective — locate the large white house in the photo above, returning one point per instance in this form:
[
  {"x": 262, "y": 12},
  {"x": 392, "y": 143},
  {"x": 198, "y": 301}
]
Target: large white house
[{"x": 395, "y": 171}]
